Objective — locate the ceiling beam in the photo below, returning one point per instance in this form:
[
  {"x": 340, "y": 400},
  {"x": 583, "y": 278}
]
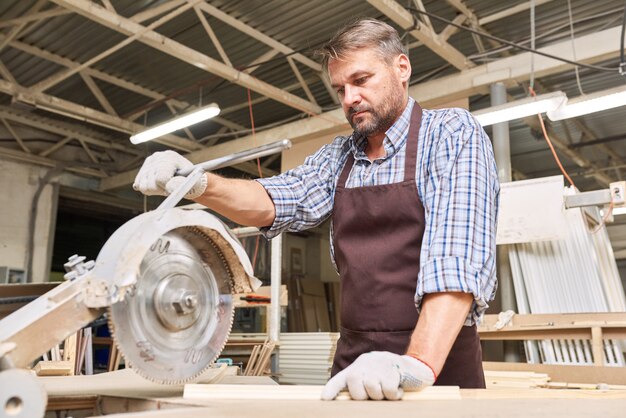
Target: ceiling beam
[
  {"x": 47, "y": 162},
  {"x": 590, "y": 48},
  {"x": 87, "y": 114},
  {"x": 168, "y": 46},
  {"x": 64, "y": 74},
  {"x": 403, "y": 18},
  {"x": 510, "y": 11},
  {"x": 153, "y": 12},
  {"x": 111, "y": 79},
  {"x": 33, "y": 17},
  {"x": 61, "y": 128},
  {"x": 95, "y": 90},
  {"x": 209, "y": 31},
  {"x": 15, "y": 30},
  {"x": 55, "y": 147},
  {"x": 259, "y": 36},
  {"x": 15, "y": 135}
]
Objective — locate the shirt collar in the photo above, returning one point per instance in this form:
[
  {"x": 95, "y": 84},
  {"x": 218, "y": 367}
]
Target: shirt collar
[{"x": 395, "y": 137}]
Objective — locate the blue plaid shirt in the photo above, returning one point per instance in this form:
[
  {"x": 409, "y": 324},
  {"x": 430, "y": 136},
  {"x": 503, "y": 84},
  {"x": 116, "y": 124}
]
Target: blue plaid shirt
[{"x": 457, "y": 182}]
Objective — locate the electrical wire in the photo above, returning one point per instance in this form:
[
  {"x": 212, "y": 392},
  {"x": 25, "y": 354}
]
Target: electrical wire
[
  {"x": 569, "y": 179},
  {"x": 549, "y": 32},
  {"x": 258, "y": 162},
  {"x": 512, "y": 44},
  {"x": 604, "y": 219},
  {"x": 622, "y": 64},
  {"x": 532, "y": 43},
  {"x": 571, "y": 32},
  {"x": 547, "y": 138}
]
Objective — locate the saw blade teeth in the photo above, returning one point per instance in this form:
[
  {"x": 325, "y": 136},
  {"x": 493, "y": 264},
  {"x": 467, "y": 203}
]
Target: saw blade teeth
[{"x": 227, "y": 323}]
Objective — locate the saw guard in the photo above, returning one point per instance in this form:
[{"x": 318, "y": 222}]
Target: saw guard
[{"x": 118, "y": 262}]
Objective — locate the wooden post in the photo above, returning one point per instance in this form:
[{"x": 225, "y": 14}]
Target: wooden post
[{"x": 597, "y": 346}]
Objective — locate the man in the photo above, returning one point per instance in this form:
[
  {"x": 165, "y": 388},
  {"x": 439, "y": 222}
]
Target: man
[{"x": 413, "y": 198}]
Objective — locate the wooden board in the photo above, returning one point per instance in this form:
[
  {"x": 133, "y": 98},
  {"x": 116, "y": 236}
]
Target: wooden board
[
  {"x": 463, "y": 408},
  {"x": 302, "y": 392},
  {"x": 572, "y": 374},
  {"x": 54, "y": 368},
  {"x": 119, "y": 383}
]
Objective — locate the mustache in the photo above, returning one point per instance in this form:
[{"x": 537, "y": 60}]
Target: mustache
[{"x": 356, "y": 109}]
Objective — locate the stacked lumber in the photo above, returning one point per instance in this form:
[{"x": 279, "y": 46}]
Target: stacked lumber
[
  {"x": 305, "y": 358},
  {"x": 258, "y": 363},
  {"x": 510, "y": 379}
]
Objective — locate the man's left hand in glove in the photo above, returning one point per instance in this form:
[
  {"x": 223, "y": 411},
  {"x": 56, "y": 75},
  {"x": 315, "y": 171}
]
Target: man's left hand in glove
[{"x": 380, "y": 375}]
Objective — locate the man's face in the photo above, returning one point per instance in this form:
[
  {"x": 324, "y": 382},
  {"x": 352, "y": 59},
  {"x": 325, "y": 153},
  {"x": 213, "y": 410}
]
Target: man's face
[{"x": 371, "y": 91}]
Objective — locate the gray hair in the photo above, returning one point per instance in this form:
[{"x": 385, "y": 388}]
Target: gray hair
[{"x": 363, "y": 33}]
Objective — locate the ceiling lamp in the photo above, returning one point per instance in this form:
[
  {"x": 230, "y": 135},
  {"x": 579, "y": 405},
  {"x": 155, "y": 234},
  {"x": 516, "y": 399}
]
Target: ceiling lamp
[
  {"x": 590, "y": 103},
  {"x": 180, "y": 122},
  {"x": 520, "y": 108}
]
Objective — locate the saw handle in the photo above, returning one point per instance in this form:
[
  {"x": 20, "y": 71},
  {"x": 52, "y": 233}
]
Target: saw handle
[{"x": 195, "y": 172}]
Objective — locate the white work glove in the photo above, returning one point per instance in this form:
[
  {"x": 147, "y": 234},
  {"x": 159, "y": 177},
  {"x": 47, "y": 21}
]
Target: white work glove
[
  {"x": 380, "y": 375},
  {"x": 156, "y": 176}
]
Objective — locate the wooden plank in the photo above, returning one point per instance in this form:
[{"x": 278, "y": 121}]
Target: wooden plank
[
  {"x": 555, "y": 326},
  {"x": 597, "y": 346},
  {"x": 69, "y": 351},
  {"x": 54, "y": 368},
  {"x": 559, "y": 373},
  {"x": 464, "y": 408},
  {"x": 73, "y": 403},
  {"x": 119, "y": 383},
  {"x": 299, "y": 392}
]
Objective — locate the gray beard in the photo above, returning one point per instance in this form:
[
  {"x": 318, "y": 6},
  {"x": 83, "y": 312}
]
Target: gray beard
[{"x": 381, "y": 120}]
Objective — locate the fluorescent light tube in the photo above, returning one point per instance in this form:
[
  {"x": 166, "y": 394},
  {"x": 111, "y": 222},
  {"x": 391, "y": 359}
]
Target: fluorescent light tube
[
  {"x": 175, "y": 124},
  {"x": 520, "y": 108},
  {"x": 590, "y": 103}
]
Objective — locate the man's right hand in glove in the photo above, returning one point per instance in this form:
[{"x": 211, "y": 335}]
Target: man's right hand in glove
[{"x": 157, "y": 175}]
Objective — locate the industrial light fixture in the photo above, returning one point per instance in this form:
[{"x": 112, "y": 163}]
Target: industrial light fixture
[
  {"x": 180, "y": 122},
  {"x": 590, "y": 103},
  {"x": 520, "y": 108}
]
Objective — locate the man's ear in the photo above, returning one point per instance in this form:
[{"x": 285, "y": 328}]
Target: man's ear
[{"x": 403, "y": 67}]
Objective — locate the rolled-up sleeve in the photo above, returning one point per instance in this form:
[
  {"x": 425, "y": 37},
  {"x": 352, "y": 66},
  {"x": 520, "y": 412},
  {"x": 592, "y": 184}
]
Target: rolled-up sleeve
[
  {"x": 303, "y": 196},
  {"x": 461, "y": 182}
]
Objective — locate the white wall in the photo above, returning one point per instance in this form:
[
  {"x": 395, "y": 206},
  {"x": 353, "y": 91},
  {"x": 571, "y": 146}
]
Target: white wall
[{"x": 18, "y": 183}]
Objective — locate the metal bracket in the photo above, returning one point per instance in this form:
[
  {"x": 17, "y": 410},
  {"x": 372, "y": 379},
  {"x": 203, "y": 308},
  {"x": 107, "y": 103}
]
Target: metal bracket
[{"x": 593, "y": 198}]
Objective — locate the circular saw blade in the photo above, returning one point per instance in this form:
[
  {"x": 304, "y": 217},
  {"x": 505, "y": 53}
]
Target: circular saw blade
[{"x": 177, "y": 318}]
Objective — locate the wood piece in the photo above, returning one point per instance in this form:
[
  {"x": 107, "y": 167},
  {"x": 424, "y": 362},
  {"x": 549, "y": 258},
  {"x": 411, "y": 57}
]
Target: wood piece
[
  {"x": 264, "y": 358},
  {"x": 464, "y": 408},
  {"x": 596, "y": 346},
  {"x": 88, "y": 352},
  {"x": 515, "y": 379},
  {"x": 124, "y": 383},
  {"x": 73, "y": 403},
  {"x": 560, "y": 373},
  {"x": 54, "y": 368},
  {"x": 542, "y": 393},
  {"x": 300, "y": 392},
  {"x": 252, "y": 360},
  {"x": 69, "y": 351}
]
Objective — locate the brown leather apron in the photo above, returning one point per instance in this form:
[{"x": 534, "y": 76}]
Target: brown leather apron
[{"x": 377, "y": 236}]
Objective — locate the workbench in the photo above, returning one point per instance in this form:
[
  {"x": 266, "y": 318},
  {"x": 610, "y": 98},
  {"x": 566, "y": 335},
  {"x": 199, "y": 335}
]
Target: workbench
[{"x": 128, "y": 396}]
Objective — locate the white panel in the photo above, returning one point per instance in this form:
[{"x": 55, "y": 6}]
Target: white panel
[{"x": 531, "y": 210}]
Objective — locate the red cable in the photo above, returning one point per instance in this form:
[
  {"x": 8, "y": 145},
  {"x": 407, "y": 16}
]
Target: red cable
[{"x": 547, "y": 138}]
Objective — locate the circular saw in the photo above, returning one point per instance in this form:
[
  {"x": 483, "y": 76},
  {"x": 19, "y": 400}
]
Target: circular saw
[{"x": 165, "y": 279}]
